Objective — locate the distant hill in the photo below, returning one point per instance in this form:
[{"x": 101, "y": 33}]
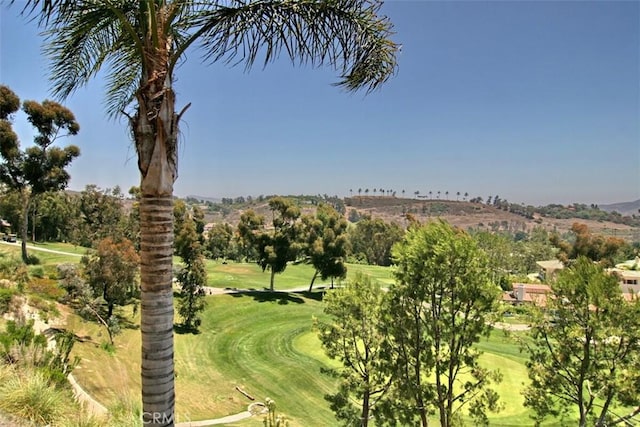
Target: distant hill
[
  {"x": 205, "y": 199},
  {"x": 464, "y": 214},
  {"x": 624, "y": 208}
]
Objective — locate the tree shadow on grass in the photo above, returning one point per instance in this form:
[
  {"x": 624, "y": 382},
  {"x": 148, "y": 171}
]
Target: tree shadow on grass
[
  {"x": 281, "y": 298},
  {"x": 53, "y": 332},
  {"x": 316, "y": 295},
  {"x": 181, "y": 329},
  {"x": 127, "y": 323}
]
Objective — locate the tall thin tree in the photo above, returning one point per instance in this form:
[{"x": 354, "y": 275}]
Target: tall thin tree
[
  {"x": 141, "y": 42},
  {"x": 39, "y": 168}
]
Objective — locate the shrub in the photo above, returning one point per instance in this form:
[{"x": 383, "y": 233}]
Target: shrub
[
  {"x": 14, "y": 270},
  {"x": 6, "y": 295},
  {"x": 108, "y": 347},
  {"x": 28, "y": 395},
  {"x": 37, "y": 271},
  {"x": 46, "y": 288},
  {"x": 32, "y": 260},
  {"x": 126, "y": 412}
]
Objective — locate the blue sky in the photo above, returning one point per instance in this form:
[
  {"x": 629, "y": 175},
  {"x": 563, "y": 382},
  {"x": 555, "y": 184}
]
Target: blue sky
[{"x": 537, "y": 102}]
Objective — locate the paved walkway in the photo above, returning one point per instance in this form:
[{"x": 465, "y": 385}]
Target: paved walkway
[
  {"x": 229, "y": 419},
  {"x": 92, "y": 405},
  {"x": 35, "y": 248}
]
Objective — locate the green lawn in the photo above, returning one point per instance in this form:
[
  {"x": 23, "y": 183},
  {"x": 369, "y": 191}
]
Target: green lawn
[
  {"x": 264, "y": 344},
  {"x": 247, "y": 341},
  {"x": 260, "y": 342},
  {"x": 251, "y": 276},
  {"x": 46, "y": 258}
]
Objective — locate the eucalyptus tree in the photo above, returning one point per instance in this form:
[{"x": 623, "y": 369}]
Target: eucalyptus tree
[
  {"x": 41, "y": 167},
  {"x": 279, "y": 245},
  {"x": 141, "y": 42},
  {"x": 193, "y": 277},
  {"x": 325, "y": 241}
]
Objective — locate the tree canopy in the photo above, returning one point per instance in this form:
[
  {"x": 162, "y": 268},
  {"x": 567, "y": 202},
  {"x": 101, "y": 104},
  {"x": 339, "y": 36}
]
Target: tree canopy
[
  {"x": 438, "y": 309},
  {"x": 354, "y": 336},
  {"x": 326, "y": 243},
  {"x": 41, "y": 167},
  {"x": 585, "y": 349}
]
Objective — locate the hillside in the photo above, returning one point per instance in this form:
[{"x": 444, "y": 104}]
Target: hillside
[
  {"x": 625, "y": 208},
  {"x": 464, "y": 214}
]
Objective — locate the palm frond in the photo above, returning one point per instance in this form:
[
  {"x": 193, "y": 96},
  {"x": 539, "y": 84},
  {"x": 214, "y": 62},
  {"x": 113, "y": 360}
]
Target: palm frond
[
  {"x": 346, "y": 34},
  {"x": 122, "y": 81},
  {"x": 44, "y": 10},
  {"x": 82, "y": 41}
]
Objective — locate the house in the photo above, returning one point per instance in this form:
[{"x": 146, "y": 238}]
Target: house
[
  {"x": 628, "y": 273},
  {"x": 530, "y": 293}
]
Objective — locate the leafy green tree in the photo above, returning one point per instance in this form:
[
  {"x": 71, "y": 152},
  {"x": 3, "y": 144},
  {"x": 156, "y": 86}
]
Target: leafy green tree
[
  {"x": 499, "y": 249},
  {"x": 179, "y": 215},
  {"x": 353, "y": 335},
  {"x": 82, "y": 296},
  {"x": 220, "y": 242},
  {"x": 55, "y": 216},
  {"x": 193, "y": 277},
  {"x": 439, "y": 308},
  {"x": 100, "y": 215},
  {"x": 132, "y": 218},
  {"x": 250, "y": 227},
  {"x": 141, "y": 42},
  {"x": 326, "y": 243},
  {"x": 372, "y": 239},
  {"x": 41, "y": 167},
  {"x": 198, "y": 218},
  {"x": 606, "y": 250},
  {"x": 112, "y": 271},
  {"x": 584, "y": 349},
  {"x": 278, "y": 246},
  {"x": 536, "y": 247},
  {"x": 10, "y": 206}
]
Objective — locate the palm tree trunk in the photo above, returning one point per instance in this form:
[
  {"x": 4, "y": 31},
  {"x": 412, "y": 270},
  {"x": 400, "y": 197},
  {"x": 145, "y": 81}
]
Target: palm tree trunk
[
  {"x": 273, "y": 275},
  {"x": 156, "y": 310},
  {"x": 155, "y": 127}
]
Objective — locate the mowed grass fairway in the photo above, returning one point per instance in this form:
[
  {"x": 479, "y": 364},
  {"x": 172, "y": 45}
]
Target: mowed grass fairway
[
  {"x": 263, "y": 343},
  {"x": 250, "y": 275},
  {"x": 47, "y": 259},
  {"x": 247, "y": 341},
  {"x": 260, "y": 342}
]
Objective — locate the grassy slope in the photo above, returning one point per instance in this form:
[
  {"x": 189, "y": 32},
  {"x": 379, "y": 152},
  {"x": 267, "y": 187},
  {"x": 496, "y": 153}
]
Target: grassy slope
[
  {"x": 262, "y": 343},
  {"x": 246, "y": 341}
]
